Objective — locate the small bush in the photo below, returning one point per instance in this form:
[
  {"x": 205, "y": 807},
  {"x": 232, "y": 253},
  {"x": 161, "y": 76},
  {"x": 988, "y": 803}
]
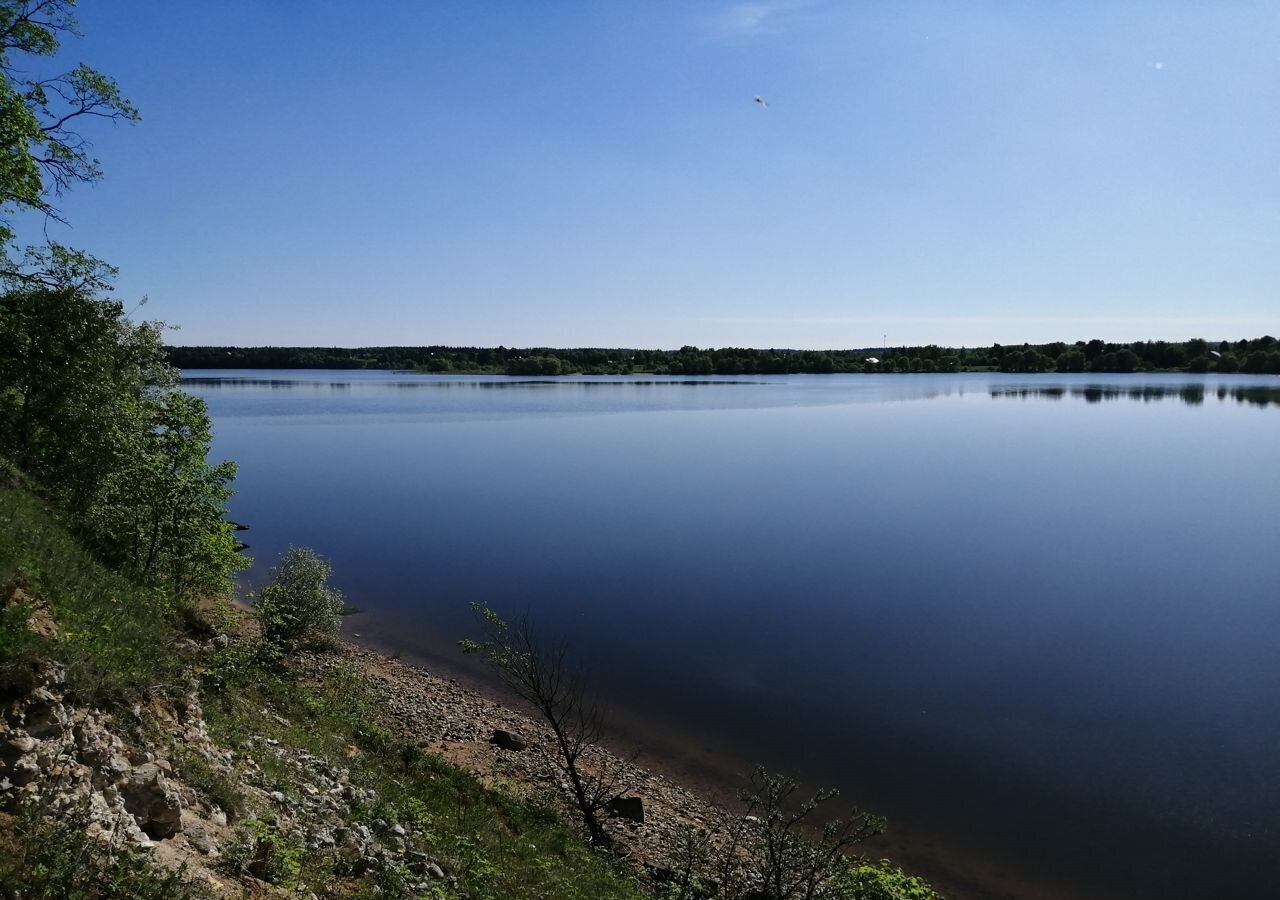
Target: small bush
[
  {"x": 883, "y": 881},
  {"x": 299, "y": 609},
  {"x": 217, "y": 788},
  {"x": 265, "y": 852}
]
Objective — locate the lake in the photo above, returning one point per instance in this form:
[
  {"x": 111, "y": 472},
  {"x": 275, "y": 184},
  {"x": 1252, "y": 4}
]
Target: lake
[{"x": 1034, "y": 620}]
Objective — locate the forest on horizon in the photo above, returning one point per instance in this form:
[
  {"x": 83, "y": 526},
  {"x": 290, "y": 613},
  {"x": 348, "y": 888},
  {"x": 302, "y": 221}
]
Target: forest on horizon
[{"x": 1253, "y": 356}]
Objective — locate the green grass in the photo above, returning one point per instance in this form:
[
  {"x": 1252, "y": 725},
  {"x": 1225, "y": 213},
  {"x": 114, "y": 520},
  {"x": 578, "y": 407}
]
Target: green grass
[
  {"x": 219, "y": 789},
  {"x": 44, "y": 859},
  {"x": 496, "y": 845},
  {"x": 119, "y": 643},
  {"x": 116, "y": 639}
]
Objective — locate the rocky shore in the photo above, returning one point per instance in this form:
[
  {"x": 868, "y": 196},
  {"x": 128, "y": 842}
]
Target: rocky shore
[
  {"x": 514, "y": 752},
  {"x": 140, "y": 779}
]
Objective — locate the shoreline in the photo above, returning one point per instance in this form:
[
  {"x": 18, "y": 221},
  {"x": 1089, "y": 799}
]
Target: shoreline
[
  {"x": 451, "y": 709},
  {"x": 444, "y": 716}
]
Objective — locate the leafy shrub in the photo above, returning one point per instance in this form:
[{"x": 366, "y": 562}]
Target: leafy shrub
[
  {"x": 216, "y": 787},
  {"x": 299, "y": 609},
  {"x": 262, "y": 850},
  {"x": 91, "y": 411},
  {"x": 883, "y": 881}
]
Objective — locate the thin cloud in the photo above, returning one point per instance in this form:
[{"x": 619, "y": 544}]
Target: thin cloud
[
  {"x": 751, "y": 20},
  {"x": 746, "y": 19}
]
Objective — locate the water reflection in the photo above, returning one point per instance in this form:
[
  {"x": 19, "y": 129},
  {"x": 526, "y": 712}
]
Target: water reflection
[
  {"x": 782, "y": 563},
  {"x": 1189, "y": 394},
  {"x": 217, "y": 382}
]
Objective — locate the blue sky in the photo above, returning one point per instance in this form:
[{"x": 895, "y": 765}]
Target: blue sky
[{"x": 599, "y": 174}]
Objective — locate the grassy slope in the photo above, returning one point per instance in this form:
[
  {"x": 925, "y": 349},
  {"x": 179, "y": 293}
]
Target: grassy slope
[
  {"x": 119, "y": 643},
  {"x": 496, "y": 846},
  {"x": 115, "y": 638}
]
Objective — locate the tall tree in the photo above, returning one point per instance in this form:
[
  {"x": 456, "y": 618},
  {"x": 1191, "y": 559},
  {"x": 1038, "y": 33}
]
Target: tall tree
[
  {"x": 89, "y": 407},
  {"x": 43, "y": 151}
]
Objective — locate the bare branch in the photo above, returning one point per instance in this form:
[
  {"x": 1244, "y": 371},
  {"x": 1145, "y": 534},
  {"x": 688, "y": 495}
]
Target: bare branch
[{"x": 540, "y": 674}]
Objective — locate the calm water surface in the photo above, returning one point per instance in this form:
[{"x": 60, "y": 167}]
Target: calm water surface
[{"x": 1035, "y": 618}]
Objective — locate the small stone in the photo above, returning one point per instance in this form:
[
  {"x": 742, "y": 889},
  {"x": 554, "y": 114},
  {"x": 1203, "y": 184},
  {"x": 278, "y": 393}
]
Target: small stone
[
  {"x": 20, "y": 745},
  {"x": 25, "y": 771},
  {"x": 507, "y": 740},
  {"x": 113, "y": 770},
  {"x": 631, "y": 808},
  {"x": 197, "y": 834}
]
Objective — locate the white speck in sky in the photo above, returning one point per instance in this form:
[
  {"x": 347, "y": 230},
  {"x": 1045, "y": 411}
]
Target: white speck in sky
[
  {"x": 1157, "y": 66},
  {"x": 746, "y": 19}
]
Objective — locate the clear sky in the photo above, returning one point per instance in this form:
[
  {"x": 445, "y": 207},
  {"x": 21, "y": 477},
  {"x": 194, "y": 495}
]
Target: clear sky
[{"x": 584, "y": 174}]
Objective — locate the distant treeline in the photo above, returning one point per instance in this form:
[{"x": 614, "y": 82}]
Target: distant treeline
[{"x": 1261, "y": 355}]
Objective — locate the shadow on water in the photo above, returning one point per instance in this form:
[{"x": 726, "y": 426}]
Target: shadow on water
[{"x": 1189, "y": 394}]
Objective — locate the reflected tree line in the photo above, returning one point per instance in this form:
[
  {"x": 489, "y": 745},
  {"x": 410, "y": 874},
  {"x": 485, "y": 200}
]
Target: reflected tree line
[
  {"x": 1190, "y": 394},
  {"x": 217, "y": 383}
]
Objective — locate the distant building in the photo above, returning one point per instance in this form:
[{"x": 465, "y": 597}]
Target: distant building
[{"x": 873, "y": 360}]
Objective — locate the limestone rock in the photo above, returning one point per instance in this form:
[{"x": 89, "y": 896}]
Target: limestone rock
[
  {"x": 197, "y": 833},
  {"x": 151, "y": 801},
  {"x": 18, "y": 746}
]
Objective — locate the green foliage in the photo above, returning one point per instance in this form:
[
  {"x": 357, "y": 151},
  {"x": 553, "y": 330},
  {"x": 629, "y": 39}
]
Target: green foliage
[
  {"x": 163, "y": 507},
  {"x": 299, "y": 608},
  {"x": 882, "y": 881},
  {"x": 216, "y": 787},
  {"x": 262, "y": 850},
  {"x": 495, "y": 845},
  {"x": 74, "y": 374},
  {"x": 115, "y": 637},
  {"x": 537, "y": 365},
  {"x": 42, "y": 152},
  {"x": 1071, "y": 361},
  {"x": 1091, "y": 356},
  {"x": 89, "y": 408},
  {"x": 51, "y": 859}
]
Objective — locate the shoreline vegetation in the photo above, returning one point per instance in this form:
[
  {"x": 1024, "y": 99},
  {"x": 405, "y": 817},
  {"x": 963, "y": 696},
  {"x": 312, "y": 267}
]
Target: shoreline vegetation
[
  {"x": 157, "y": 743},
  {"x": 153, "y": 743},
  {"x": 158, "y": 747},
  {"x": 1252, "y": 356}
]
